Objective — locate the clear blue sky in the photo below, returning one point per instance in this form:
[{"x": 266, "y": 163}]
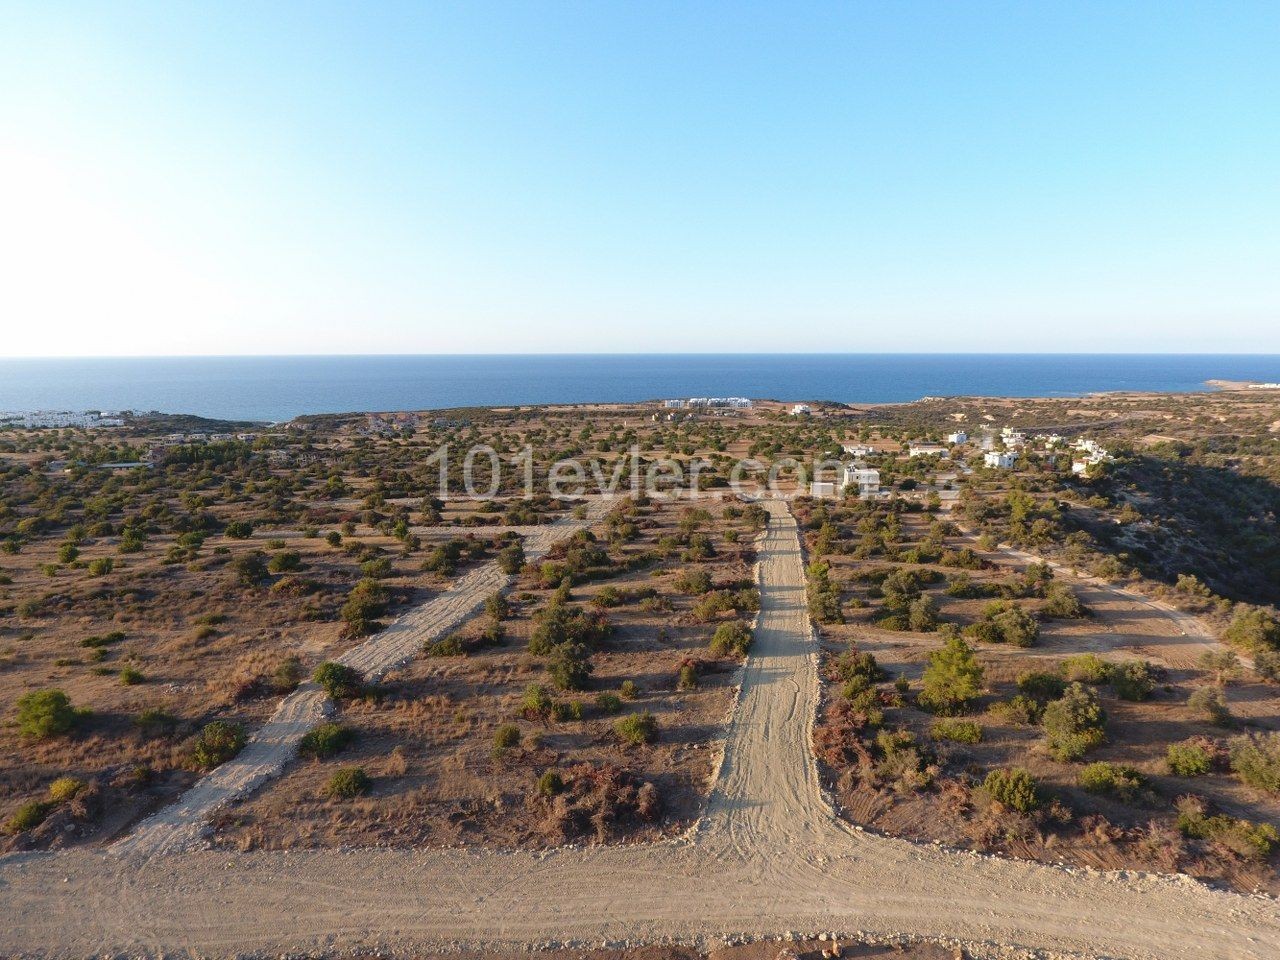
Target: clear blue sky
[{"x": 547, "y": 177}]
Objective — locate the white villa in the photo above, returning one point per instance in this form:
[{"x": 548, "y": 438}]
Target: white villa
[
  {"x": 958, "y": 437},
  {"x": 998, "y": 459},
  {"x": 800, "y": 409},
  {"x": 857, "y": 449}
]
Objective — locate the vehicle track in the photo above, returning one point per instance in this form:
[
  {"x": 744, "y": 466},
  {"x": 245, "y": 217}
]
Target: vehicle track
[{"x": 768, "y": 857}]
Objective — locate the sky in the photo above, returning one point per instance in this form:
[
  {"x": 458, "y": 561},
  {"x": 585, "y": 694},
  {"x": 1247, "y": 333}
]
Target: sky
[{"x": 473, "y": 177}]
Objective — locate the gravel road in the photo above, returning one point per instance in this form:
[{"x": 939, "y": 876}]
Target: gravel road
[{"x": 768, "y": 857}]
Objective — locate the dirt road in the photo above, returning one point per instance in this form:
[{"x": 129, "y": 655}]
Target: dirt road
[
  {"x": 767, "y": 858},
  {"x": 180, "y": 826}
]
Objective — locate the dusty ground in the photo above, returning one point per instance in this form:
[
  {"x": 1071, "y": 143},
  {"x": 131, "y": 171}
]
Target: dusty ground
[
  {"x": 1098, "y": 831},
  {"x": 428, "y": 740},
  {"x": 768, "y": 857}
]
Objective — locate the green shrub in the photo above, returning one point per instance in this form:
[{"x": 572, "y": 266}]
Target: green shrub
[
  {"x": 1013, "y": 788},
  {"x": 609, "y": 703},
  {"x": 347, "y": 782},
  {"x": 239, "y": 530},
  {"x": 953, "y": 678},
  {"x": 1209, "y": 704},
  {"x": 1086, "y": 668},
  {"x": 28, "y": 815},
  {"x": 131, "y": 676},
  {"x": 958, "y": 731},
  {"x": 45, "y": 713},
  {"x": 1073, "y": 724},
  {"x": 535, "y": 702},
  {"x": 285, "y": 561},
  {"x": 1133, "y": 680},
  {"x": 504, "y": 738},
  {"x": 1253, "y": 841},
  {"x": 101, "y": 566},
  {"x": 64, "y": 789},
  {"x": 569, "y": 665},
  {"x": 636, "y": 728},
  {"x": 733, "y": 638},
  {"x": 563, "y": 711},
  {"x": 338, "y": 680},
  {"x": 153, "y": 720},
  {"x": 1188, "y": 759},
  {"x": 1062, "y": 603},
  {"x": 550, "y": 784},
  {"x": 1255, "y": 760},
  {"x": 325, "y": 740},
  {"x": 628, "y": 690},
  {"x": 217, "y": 743},
  {"x": 1019, "y": 710},
  {"x": 1113, "y": 778},
  {"x": 1041, "y": 685}
]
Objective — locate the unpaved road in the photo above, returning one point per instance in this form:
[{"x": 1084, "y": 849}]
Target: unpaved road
[
  {"x": 767, "y": 858},
  {"x": 181, "y": 825}
]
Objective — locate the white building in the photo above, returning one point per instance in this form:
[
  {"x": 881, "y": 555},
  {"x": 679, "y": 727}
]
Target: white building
[
  {"x": 958, "y": 437},
  {"x": 865, "y": 479},
  {"x": 1012, "y": 437},
  {"x": 800, "y": 409},
  {"x": 998, "y": 459},
  {"x": 926, "y": 450},
  {"x": 857, "y": 449}
]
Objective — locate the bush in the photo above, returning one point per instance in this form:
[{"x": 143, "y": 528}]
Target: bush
[
  {"x": 217, "y": 743},
  {"x": 733, "y": 638},
  {"x": 535, "y": 702},
  {"x": 1013, "y": 788},
  {"x": 347, "y": 782},
  {"x": 1252, "y": 629},
  {"x": 1005, "y": 623},
  {"x": 325, "y": 740},
  {"x": 636, "y": 728},
  {"x": 45, "y": 713},
  {"x": 1188, "y": 759},
  {"x": 1061, "y": 603},
  {"x": 338, "y": 680},
  {"x": 628, "y": 690},
  {"x": 1256, "y": 761},
  {"x": 101, "y": 566},
  {"x": 1133, "y": 680},
  {"x": 285, "y": 561},
  {"x": 693, "y": 581},
  {"x": 550, "y": 784},
  {"x": 1073, "y": 724},
  {"x": 1267, "y": 664},
  {"x": 570, "y": 666},
  {"x": 1208, "y": 703},
  {"x": 28, "y": 815},
  {"x": 1252, "y": 841},
  {"x": 131, "y": 676},
  {"x": 1086, "y": 668},
  {"x": 239, "y": 530},
  {"x": 1019, "y": 710},
  {"x": 953, "y": 679},
  {"x": 609, "y": 703},
  {"x": 504, "y": 738},
  {"x": 957, "y": 731},
  {"x": 1042, "y": 685},
  {"x": 1113, "y": 778},
  {"x": 64, "y": 789}
]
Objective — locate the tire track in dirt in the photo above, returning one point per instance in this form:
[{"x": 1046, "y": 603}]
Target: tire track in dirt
[{"x": 767, "y": 858}]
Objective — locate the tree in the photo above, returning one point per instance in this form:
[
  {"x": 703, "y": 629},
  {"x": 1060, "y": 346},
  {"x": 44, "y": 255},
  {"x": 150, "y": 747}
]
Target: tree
[
  {"x": 45, "y": 713},
  {"x": 1073, "y": 724},
  {"x": 570, "y": 666},
  {"x": 923, "y": 615},
  {"x": 1253, "y": 628},
  {"x": 953, "y": 679}
]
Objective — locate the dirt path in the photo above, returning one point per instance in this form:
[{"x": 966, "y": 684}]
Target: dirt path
[
  {"x": 181, "y": 826},
  {"x": 767, "y": 858}
]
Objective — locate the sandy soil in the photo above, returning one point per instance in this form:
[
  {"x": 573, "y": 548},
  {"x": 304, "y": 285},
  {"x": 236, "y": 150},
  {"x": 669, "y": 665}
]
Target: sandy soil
[{"x": 768, "y": 857}]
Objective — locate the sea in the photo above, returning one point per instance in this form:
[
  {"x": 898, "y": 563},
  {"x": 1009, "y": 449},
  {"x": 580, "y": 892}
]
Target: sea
[{"x": 279, "y": 388}]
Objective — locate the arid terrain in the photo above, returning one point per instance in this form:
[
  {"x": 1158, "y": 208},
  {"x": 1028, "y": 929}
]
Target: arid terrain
[{"x": 523, "y": 710}]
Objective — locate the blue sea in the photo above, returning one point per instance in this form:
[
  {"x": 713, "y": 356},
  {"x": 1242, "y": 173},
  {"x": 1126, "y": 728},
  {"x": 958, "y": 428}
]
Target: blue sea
[{"x": 278, "y": 388}]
